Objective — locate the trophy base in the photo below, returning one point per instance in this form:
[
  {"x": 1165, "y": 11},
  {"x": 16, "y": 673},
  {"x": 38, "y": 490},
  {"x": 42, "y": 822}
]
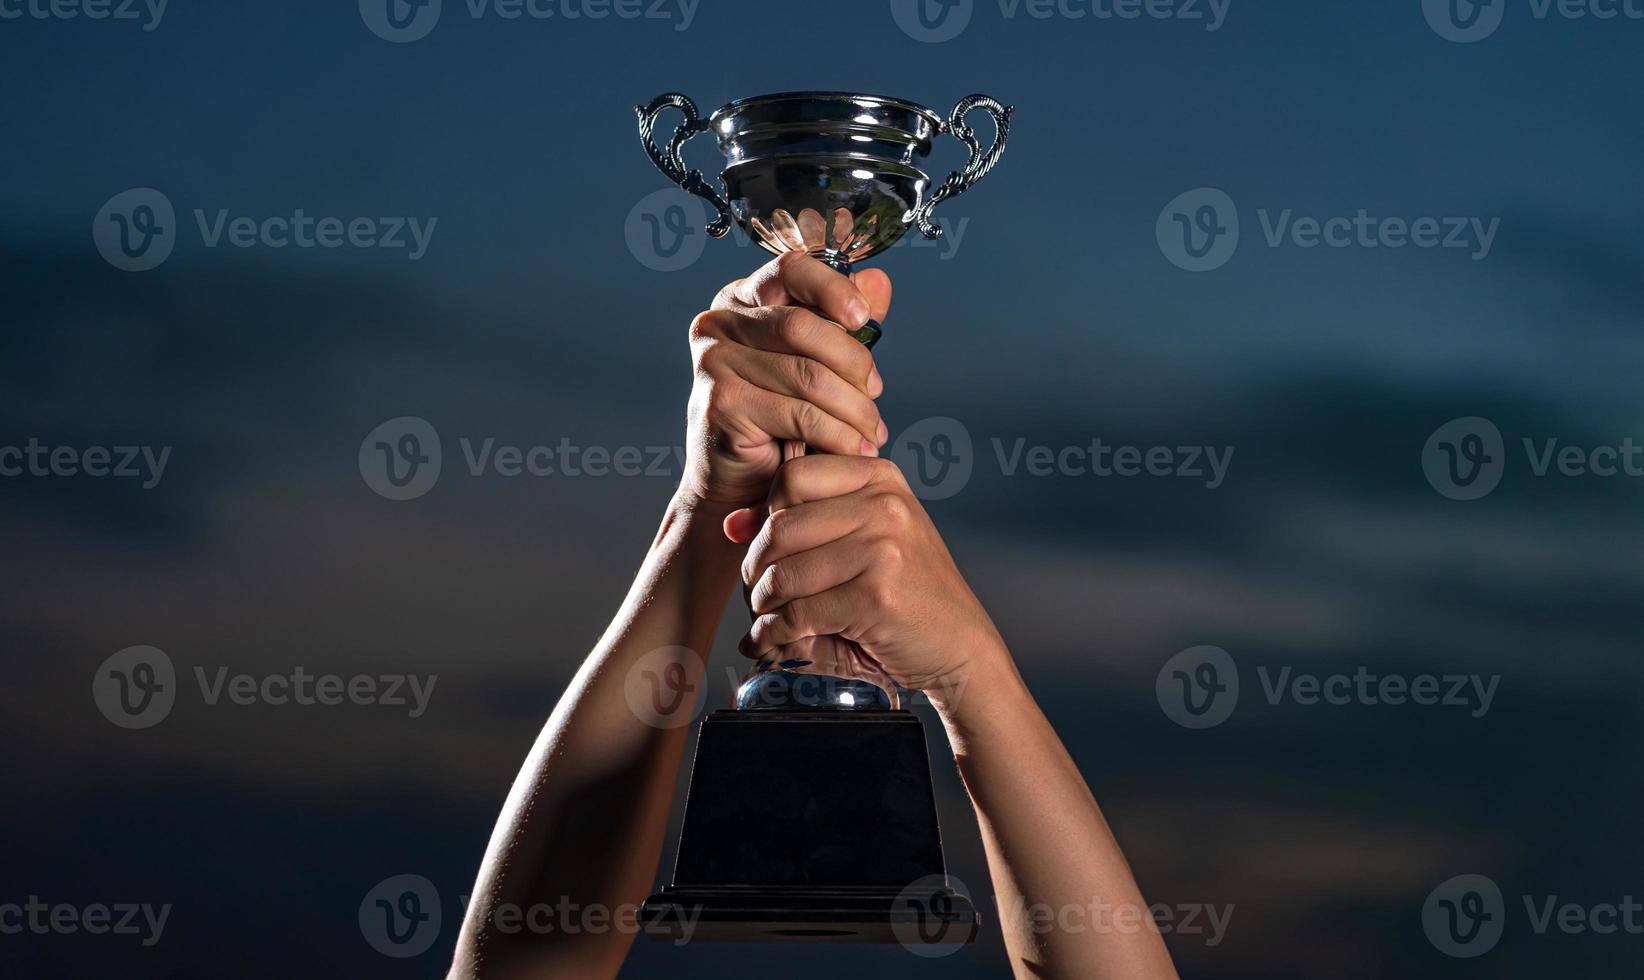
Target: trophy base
[
  {"x": 814, "y": 915},
  {"x": 810, "y": 825}
]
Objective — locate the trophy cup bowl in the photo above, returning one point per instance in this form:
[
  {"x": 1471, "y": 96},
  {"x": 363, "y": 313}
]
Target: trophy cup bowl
[
  {"x": 832, "y": 174},
  {"x": 811, "y": 815}
]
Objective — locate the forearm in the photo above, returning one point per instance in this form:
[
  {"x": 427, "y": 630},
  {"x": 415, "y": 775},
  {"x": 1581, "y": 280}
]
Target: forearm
[
  {"x": 1067, "y": 901},
  {"x": 585, "y": 819}
]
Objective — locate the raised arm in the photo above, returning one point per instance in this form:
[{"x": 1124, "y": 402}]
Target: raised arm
[
  {"x": 848, "y": 550},
  {"x": 583, "y": 825}
]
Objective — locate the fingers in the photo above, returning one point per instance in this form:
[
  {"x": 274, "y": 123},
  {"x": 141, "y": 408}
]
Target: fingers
[
  {"x": 797, "y": 279},
  {"x": 784, "y": 417},
  {"x": 808, "y": 573},
  {"x": 822, "y": 477},
  {"x": 824, "y": 614},
  {"x": 796, "y": 331},
  {"x": 800, "y": 529},
  {"x": 811, "y": 381}
]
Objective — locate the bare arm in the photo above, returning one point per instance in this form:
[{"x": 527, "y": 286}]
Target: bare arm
[
  {"x": 584, "y": 823},
  {"x": 849, "y": 550},
  {"x": 1050, "y": 852},
  {"x": 582, "y": 828}
]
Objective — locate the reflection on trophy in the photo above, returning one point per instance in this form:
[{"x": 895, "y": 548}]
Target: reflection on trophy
[{"x": 811, "y": 815}]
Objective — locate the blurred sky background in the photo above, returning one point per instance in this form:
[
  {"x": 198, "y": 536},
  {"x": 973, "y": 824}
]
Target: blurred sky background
[{"x": 1056, "y": 319}]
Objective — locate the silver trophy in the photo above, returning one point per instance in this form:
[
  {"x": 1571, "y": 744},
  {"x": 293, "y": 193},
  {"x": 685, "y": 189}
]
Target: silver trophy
[
  {"x": 829, "y": 173},
  {"x": 811, "y": 815}
]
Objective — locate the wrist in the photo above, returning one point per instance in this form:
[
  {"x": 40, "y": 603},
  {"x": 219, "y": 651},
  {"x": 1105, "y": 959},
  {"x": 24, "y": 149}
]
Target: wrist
[
  {"x": 984, "y": 684},
  {"x": 696, "y": 525}
]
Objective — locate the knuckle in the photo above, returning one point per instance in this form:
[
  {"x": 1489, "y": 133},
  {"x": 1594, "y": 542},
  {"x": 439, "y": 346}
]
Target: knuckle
[
  {"x": 886, "y": 552},
  {"x": 710, "y": 354},
  {"x": 892, "y": 508},
  {"x": 809, "y": 417},
  {"x": 778, "y": 578},
  {"x": 777, "y": 525},
  {"x": 886, "y": 471},
  {"x": 796, "y": 326},
  {"x": 807, "y": 375},
  {"x": 881, "y": 592},
  {"x": 724, "y": 397},
  {"x": 704, "y": 324}
]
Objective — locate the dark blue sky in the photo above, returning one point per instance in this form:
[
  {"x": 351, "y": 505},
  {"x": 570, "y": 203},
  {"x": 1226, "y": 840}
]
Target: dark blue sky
[{"x": 1056, "y": 318}]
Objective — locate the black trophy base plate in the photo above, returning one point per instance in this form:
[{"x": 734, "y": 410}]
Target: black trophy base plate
[{"x": 819, "y": 915}]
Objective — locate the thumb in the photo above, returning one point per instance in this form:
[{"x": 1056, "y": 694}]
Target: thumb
[
  {"x": 876, "y": 286},
  {"x": 742, "y": 526}
]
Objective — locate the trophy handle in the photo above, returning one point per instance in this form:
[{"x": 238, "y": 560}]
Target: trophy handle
[
  {"x": 960, "y": 181},
  {"x": 669, "y": 162}
]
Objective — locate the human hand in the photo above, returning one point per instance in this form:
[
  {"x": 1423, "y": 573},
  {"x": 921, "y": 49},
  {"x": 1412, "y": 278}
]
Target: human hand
[
  {"x": 849, "y": 551},
  {"x": 774, "y": 362}
]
